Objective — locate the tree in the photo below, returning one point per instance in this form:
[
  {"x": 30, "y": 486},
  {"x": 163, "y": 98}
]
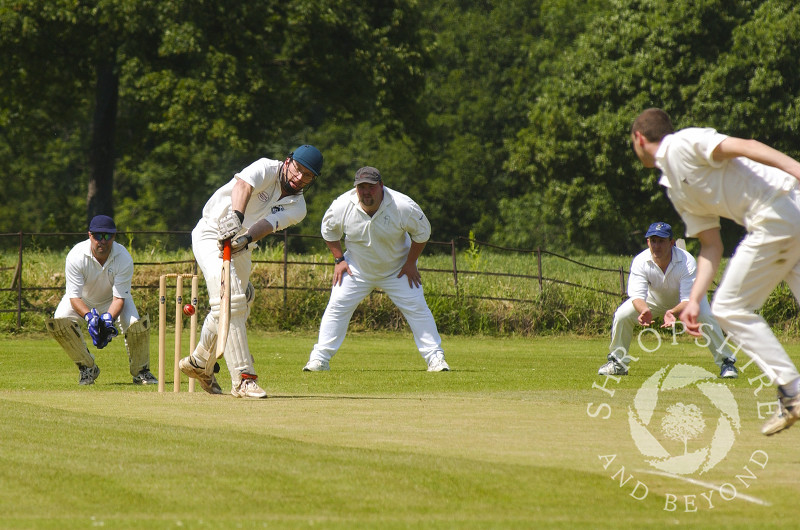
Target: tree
[
  {"x": 161, "y": 102},
  {"x": 574, "y": 149}
]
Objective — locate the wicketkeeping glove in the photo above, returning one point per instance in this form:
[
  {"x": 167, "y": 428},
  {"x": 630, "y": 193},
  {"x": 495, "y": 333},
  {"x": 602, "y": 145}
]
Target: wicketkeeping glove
[
  {"x": 230, "y": 225},
  {"x": 108, "y": 322},
  {"x": 97, "y": 330}
]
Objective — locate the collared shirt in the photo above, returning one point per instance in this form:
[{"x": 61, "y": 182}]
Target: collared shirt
[
  {"x": 377, "y": 246},
  {"x": 664, "y": 288},
  {"x": 97, "y": 284},
  {"x": 703, "y": 190},
  {"x": 265, "y": 201}
]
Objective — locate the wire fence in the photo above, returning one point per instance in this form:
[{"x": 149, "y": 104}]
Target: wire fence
[{"x": 457, "y": 275}]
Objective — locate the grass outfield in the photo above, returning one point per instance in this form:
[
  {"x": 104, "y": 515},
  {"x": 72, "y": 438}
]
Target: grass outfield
[{"x": 513, "y": 437}]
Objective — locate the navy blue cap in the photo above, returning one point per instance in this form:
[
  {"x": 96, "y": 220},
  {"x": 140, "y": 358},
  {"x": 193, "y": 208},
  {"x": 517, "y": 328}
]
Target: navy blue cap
[
  {"x": 659, "y": 229},
  {"x": 102, "y": 224}
]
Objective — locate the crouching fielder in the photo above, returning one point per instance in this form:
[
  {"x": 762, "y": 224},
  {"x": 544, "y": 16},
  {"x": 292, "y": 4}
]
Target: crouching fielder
[
  {"x": 385, "y": 232},
  {"x": 98, "y": 277},
  {"x": 264, "y": 197}
]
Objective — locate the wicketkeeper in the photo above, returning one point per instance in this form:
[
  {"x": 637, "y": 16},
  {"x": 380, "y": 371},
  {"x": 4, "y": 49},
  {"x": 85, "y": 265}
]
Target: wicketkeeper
[
  {"x": 99, "y": 272},
  {"x": 264, "y": 197}
]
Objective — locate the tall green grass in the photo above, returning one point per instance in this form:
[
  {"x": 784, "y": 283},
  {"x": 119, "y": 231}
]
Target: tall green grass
[{"x": 487, "y": 295}]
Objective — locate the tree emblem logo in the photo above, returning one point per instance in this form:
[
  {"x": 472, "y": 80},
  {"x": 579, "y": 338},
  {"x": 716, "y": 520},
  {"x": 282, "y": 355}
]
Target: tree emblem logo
[{"x": 681, "y": 425}]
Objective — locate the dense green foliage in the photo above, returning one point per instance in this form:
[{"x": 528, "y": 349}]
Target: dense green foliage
[{"x": 507, "y": 117}]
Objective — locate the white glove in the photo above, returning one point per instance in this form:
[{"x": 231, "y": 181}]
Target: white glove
[
  {"x": 230, "y": 225},
  {"x": 238, "y": 244}
]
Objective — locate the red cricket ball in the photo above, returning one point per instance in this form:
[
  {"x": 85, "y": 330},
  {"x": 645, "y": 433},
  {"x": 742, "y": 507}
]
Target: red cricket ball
[{"x": 188, "y": 310}]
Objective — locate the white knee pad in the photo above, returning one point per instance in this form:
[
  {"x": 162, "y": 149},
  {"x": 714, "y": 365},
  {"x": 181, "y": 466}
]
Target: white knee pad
[
  {"x": 68, "y": 334},
  {"x": 137, "y": 342}
]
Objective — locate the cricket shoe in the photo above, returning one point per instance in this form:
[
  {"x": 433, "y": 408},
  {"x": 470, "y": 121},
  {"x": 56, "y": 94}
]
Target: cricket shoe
[
  {"x": 208, "y": 382},
  {"x": 145, "y": 377},
  {"x": 88, "y": 375},
  {"x": 438, "y": 364},
  {"x": 248, "y": 388},
  {"x": 613, "y": 367},
  {"x": 315, "y": 365},
  {"x": 787, "y": 414},
  {"x": 728, "y": 370}
]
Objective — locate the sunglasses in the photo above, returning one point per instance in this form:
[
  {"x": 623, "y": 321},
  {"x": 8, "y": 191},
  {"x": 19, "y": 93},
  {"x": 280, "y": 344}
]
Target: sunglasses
[{"x": 102, "y": 236}]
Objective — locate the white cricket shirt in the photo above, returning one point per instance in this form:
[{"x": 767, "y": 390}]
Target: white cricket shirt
[
  {"x": 703, "y": 190},
  {"x": 377, "y": 246},
  {"x": 265, "y": 201},
  {"x": 97, "y": 284},
  {"x": 666, "y": 289}
]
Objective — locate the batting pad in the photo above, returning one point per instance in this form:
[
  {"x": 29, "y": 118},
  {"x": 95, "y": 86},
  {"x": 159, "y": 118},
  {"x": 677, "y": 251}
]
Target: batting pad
[
  {"x": 137, "y": 342},
  {"x": 237, "y": 351},
  {"x": 250, "y": 295},
  {"x": 68, "y": 334}
]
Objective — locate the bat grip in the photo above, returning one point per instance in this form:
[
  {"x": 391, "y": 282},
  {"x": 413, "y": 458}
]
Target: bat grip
[{"x": 226, "y": 250}]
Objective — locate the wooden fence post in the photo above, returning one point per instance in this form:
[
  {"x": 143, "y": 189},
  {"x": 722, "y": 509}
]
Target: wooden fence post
[
  {"x": 455, "y": 267},
  {"x": 622, "y": 282},
  {"x": 539, "y": 260},
  {"x": 285, "y": 266},
  {"x": 18, "y": 276}
]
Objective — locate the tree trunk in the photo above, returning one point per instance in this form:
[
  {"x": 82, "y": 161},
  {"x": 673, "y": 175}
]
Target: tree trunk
[{"x": 101, "y": 151}]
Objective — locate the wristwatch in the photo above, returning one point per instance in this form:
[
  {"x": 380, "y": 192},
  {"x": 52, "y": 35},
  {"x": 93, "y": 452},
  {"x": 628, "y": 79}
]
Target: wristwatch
[{"x": 337, "y": 261}]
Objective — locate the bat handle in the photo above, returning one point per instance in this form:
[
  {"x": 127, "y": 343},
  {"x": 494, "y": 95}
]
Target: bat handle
[{"x": 226, "y": 250}]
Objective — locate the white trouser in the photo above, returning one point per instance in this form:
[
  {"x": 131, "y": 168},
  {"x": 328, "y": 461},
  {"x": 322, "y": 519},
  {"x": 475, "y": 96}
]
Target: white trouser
[
  {"x": 626, "y": 318},
  {"x": 769, "y": 254},
  {"x": 237, "y": 350},
  {"x": 346, "y": 297}
]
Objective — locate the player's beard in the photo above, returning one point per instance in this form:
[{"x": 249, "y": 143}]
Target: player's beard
[{"x": 284, "y": 180}]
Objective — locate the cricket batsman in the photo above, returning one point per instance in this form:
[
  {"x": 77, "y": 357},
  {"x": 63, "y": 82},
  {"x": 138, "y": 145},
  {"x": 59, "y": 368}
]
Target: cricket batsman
[{"x": 263, "y": 198}]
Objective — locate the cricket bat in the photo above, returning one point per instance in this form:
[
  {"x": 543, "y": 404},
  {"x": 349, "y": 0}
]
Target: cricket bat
[{"x": 224, "y": 320}]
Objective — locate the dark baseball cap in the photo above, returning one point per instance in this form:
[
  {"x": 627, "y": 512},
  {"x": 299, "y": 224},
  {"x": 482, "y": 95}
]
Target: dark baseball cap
[
  {"x": 659, "y": 229},
  {"x": 102, "y": 224},
  {"x": 367, "y": 174}
]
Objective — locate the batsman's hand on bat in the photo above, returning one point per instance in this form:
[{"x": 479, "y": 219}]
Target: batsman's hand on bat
[
  {"x": 238, "y": 244},
  {"x": 230, "y": 225}
]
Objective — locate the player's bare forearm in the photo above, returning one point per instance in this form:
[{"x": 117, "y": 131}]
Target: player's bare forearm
[
  {"x": 240, "y": 195},
  {"x": 79, "y": 306},
  {"x": 409, "y": 268},
  {"x": 645, "y": 317},
  {"x": 338, "y": 270},
  {"x": 116, "y": 307},
  {"x": 708, "y": 261},
  {"x": 733, "y": 147}
]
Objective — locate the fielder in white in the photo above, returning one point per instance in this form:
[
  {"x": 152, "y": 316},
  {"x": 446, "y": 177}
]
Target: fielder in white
[
  {"x": 264, "y": 197},
  {"x": 385, "y": 232},
  {"x": 659, "y": 284},
  {"x": 709, "y": 175},
  {"x": 98, "y": 276}
]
